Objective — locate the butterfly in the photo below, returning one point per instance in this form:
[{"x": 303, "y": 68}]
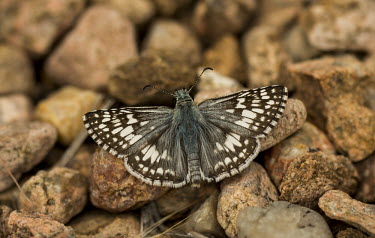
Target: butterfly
[{"x": 191, "y": 143}]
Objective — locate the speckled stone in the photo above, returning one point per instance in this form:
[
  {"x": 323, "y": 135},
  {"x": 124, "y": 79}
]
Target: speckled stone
[
  {"x": 15, "y": 107},
  {"x": 4, "y": 216}
]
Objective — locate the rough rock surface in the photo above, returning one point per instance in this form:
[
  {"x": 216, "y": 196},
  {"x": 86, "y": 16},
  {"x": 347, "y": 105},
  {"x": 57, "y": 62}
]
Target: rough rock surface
[
  {"x": 112, "y": 188},
  {"x": 281, "y": 219},
  {"x": 36, "y": 225},
  {"x": 101, "y": 224},
  {"x": 4, "y": 216},
  {"x": 101, "y": 40},
  {"x": 307, "y": 139},
  {"x": 310, "y": 176},
  {"x": 15, "y": 107},
  {"x": 35, "y": 24},
  {"x": 351, "y": 233},
  {"x": 64, "y": 109},
  {"x": 252, "y": 187},
  {"x": 22, "y": 146},
  {"x": 16, "y": 72},
  {"x": 60, "y": 193},
  {"x": 340, "y": 206},
  {"x": 366, "y": 171}
]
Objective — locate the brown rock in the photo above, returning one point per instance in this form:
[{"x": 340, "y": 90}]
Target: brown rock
[
  {"x": 252, "y": 187},
  {"x": 60, "y": 193},
  {"x": 35, "y": 25},
  {"x": 213, "y": 19},
  {"x": 340, "y": 25},
  {"x": 264, "y": 55},
  {"x": 332, "y": 88},
  {"x": 101, "y": 40},
  {"x": 351, "y": 233},
  {"x": 307, "y": 139},
  {"x": 4, "y": 216},
  {"x": 101, "y": 224},
  {"x": 15, "y": 107},
  {"x": 16, "y": 72},
  {"x": 165, "y": 70},
  {"x": 366, "y": 171},
  {"x": 224, "y": 56},
  {"x": 82, "y": 160},
  {"x": 139, "y": 12},
  {"x": 64, "y": 109},
  {"x": 170, "y": 35},
  {"x": 310, "y": 176},
  {"x": 22, "y": 146},
  {"x": 340, "y": 206},
  {"x": 36, "y": 225},
  {"x": 112, "y": 188},
  {"x": 170, "y": 7}
]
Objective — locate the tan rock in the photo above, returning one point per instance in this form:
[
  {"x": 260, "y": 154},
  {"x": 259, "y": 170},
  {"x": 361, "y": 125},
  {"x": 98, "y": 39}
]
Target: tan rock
[
  {"x": 4, "y": 216},
  {"x": 64, "y": 109},
  {"x": 101, "y": 40},
  {"x": 112, "y": 188},
  {"x": 310, "y": 176},
  {"x": 36, "y": 24},
  {"x": 366, "y": 171},
  {"x": 60, "y": 193},
  {"x": 15, "y": 107},
  {"x": 351, "y": 233},
  {"x": 340, "y": 206},
  {"x": 252, "y": 187}
]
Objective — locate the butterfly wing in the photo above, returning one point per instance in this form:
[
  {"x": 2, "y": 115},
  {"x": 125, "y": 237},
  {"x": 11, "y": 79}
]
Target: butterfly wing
[
  {"x": 144, "y": 138},
  {"x": 236, "y": 123}
]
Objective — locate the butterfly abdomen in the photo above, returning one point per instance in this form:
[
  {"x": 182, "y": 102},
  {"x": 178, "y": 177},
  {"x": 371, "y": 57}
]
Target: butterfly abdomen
[{"x": 194, "y": 169}]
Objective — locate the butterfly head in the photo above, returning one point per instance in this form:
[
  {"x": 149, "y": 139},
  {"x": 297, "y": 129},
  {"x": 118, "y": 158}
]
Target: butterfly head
[{"x": 182, "y": 95}]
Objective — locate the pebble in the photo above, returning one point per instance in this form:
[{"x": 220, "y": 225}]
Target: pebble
[
  {"x": 164, "y": 70},
  {"x": 170, "y": 7},
  {"x": 281, "y": 219},
  {"x": 340, "y": 25},
  {"x": 82, "y": 160},
  {"x": 36, "y": 225},
  {"x": 100, "y": 224},
  {"x": 139, "y": 12},
  {"x": 170, "y": 35},
  {"x": 308, "y": 138},
  {"x": 333, "y": 89},
  {"x": 339, "y": 205},
  {"x": 64, "y": 109},
  {"x": 113, "y": 189},
  {"x": 22, "y": 146},
  {"x": 100, "y": 41},
  {"x": 311, "y": 175},
  {"x": 252, "y": 187},
  {"x": 60, "y": 193},
  {"x": 15, "y": 107},
  {"x": 351, "y": 233},
  {"x": 36, "y": 24},
  {"x": 366, "y": 171},
  {"x": 4, "y": 216},
  {"x": 16, "y": 72}
]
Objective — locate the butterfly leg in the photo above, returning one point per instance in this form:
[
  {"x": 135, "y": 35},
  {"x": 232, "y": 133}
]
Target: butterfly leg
[{"x": 194, "y": 169}]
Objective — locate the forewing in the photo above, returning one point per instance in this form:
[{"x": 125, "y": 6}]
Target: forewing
[{"x": 253, "y": 112}]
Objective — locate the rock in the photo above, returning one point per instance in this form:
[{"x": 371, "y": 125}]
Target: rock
[
  {"x": 60, "y": 193},
  {"x": 310, "y": 176},
  {"x": 340, "y": 206},
  {"x": 224, "y": 56},
  {"x": 264, "y": 55},
  {"x": 204, "y": 219},
  {"x": 340, "y": 25},
  {"x": 15, "y": 107},
  {"x": 64, "y": 109},
  {"x": 307, "y": 139},
  {"x": 4, "y": 216},
  {"x": 170, "y": 7},
  {"x": 170, "y": 35},
  {"x": 225, "y": 16},
  {"x": 82, "y": 160},
  {"x": 22, "y": 146},
  {"x": 366, "y": 171},
  {"x": 252, "y": 187},
  {"x": 164, "y": 70},
  {"x": 333, "y": 89},
  {"x": 36, "y": 225},
  {"x": 101, "y": 224},
  {"x": 16, "y": 72},
  {"x": 139, "y": 12},
  {"x": 10, "y": 197},
  {"x": 101, "y": 40},
  {"x": 35, "y": 25},
  {"x": 351, "y": 233},
  {"x": 177, "y": 199},
  {"x": 112, "y": 188},
  {"x": 281, "y": 219},
  {"x": 280, "y": 14}
]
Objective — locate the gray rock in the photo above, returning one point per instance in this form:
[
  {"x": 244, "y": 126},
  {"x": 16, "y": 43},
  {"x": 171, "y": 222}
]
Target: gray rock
[{"x": 281, "y": 219}]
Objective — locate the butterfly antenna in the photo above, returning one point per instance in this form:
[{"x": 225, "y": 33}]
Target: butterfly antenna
[
  {"x": 160, "y": 90},
  {"x": 196, "y": 81}
]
